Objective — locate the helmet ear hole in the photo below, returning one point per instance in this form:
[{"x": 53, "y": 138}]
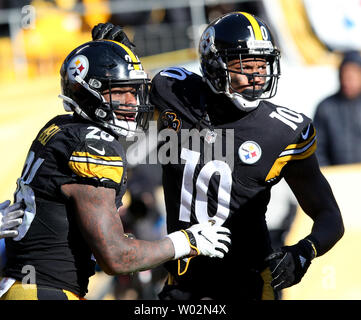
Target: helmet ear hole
[
  {"x": 101, "y": 113},
  {"x": 94, "y": 83}
]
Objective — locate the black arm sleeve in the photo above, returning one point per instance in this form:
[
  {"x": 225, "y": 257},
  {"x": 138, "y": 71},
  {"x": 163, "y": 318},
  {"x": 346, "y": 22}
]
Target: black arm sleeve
[{"x": 316, "y": 198}]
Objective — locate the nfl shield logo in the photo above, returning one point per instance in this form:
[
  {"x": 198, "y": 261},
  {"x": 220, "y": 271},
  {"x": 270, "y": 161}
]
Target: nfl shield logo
[{"x": 249, "y": 152}]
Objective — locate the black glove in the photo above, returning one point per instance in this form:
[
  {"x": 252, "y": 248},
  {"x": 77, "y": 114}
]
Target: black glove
[
  {"x": 289, "y": 264},
  {"x": 110, "y": 32}
]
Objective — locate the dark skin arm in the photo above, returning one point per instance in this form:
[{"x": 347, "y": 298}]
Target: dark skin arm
[
  {"x": 316, "y": 199},
  {"x": 103, "y": 230}
]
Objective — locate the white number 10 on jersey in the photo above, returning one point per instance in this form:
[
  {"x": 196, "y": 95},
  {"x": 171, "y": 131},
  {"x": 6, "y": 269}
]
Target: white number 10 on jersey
[{"x": 201, "y": 188}]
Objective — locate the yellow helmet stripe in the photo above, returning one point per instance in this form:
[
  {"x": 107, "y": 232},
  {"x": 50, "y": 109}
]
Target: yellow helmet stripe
[
  {"x": 134, "y": 58},
  {"x": 256, "y": 28}
]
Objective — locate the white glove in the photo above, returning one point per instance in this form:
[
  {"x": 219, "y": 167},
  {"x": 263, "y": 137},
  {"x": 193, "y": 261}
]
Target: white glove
[
  {"x": 207, "y": 239},
  {"x": 10, "y": 219}
]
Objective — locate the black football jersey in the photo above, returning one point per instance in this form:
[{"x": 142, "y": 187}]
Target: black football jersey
[
  {"x": 232, "y": 190},
  {"x": 66, "y": 150}
]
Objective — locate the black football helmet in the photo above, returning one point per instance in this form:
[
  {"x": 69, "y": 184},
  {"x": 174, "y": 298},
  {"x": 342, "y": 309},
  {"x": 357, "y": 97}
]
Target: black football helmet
[
  {"x": 101, "y": 65},
  {"x": 239, "y": 35}
]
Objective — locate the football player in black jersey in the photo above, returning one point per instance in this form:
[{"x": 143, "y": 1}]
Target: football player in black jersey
[
  {"x": 240, "y": 67},
  {"x": 73, "y": 181}
]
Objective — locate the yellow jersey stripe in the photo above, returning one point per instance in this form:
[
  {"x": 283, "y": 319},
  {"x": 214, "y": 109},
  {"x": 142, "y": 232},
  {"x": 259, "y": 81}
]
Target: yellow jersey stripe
[
  {"x": 134, "y": 58},
  {"x": 72, "y": 296},
  {"x": 255, "y": 26},
  {"x": 301, "y": 145},
  {"x": 93, "y": 170},
  {"x": 80, "y": 154},
  {"x": 96, "y": 161},
  {"x": 21, "y": 291},
  {"x": 289, "y": 151},
  {"x": 282, "y": 161}
]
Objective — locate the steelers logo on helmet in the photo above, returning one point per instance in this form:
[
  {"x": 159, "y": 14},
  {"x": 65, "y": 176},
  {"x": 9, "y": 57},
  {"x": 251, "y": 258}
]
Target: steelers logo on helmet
[
  {"x": 249, "y": 152},
  {"x": 78, "y": 66},
  {"x": 206, "y": 43}
]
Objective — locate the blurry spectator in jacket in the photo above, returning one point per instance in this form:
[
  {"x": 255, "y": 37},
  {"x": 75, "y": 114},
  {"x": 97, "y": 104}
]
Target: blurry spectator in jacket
[{"x": 338, "y": 117}]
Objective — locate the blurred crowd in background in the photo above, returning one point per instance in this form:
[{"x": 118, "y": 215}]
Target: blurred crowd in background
[{"x": 41, "y": 35}]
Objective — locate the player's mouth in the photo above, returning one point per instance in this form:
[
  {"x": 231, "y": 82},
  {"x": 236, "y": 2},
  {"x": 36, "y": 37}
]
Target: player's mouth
[
  {"x": 247, "y": 87},
  {"x": 126, "y": 116}
]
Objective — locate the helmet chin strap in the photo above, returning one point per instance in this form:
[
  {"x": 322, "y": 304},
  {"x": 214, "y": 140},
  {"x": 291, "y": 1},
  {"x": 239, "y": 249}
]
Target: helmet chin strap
[
  {"x": 241, "y": 102},
  {"x": 123, "y": 128}
]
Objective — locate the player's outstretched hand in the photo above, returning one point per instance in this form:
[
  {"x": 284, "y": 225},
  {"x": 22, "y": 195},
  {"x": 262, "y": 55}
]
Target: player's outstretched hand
[
  {"x": 10, "y": 219},
  {"x": 109, "y": 31},
  {"x": 204, "y": 238}
]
